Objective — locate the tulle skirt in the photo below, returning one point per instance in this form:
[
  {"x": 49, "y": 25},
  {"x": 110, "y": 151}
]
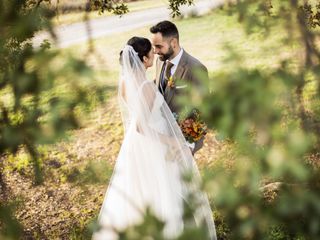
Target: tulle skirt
[{"x": 143, "y": 178}]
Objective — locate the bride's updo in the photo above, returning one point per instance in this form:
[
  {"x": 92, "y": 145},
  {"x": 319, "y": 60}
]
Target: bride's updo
[{"x": 141, "y": 45}]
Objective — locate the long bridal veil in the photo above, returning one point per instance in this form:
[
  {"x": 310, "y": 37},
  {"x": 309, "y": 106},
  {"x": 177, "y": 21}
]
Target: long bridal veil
[{"x": 152, "y": 161}]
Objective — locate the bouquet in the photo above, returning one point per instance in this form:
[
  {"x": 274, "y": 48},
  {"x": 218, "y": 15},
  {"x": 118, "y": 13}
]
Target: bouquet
[{"x": 193, "y": 128}]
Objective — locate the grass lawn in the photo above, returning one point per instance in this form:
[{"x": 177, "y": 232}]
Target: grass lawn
[{"x": 77, "y": 171}]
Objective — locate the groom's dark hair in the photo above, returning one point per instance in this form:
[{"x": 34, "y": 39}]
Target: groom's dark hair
[{"x": 166, "y": 28}]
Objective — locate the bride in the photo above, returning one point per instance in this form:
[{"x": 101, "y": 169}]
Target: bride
[{"x": 153, "y": 159}]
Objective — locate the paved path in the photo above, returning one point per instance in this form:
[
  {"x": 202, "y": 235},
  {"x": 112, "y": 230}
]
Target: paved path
[{"x": 77, "y": 32}]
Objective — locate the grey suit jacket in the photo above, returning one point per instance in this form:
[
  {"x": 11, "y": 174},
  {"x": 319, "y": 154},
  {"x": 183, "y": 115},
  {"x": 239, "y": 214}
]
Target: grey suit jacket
[{"x": 187, "y": 76}]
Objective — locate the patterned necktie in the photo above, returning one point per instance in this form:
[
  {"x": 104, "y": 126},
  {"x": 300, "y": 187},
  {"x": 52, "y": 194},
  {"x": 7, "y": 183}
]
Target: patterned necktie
[{"x": 166, "y": 75}]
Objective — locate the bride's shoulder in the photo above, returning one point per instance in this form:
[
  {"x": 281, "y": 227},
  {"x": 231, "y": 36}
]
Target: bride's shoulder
[
  {"x": 150, "y": 90},
  {"x": 147, "y": 85}
]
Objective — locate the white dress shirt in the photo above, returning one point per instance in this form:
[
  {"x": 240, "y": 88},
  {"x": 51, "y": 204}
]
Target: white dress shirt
[{"x": 175, "y": 61}]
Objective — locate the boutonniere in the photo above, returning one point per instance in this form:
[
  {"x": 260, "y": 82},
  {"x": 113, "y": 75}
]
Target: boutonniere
[{"x": 171, "y": 82}]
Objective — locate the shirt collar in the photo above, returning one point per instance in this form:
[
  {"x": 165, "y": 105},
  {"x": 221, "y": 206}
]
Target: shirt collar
[{"x": 175, "y": 61}]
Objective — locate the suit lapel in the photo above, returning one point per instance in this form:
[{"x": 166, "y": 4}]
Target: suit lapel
[
  {"x": 168, "y": 94},
  {"x": 159, "y": 65},
  {"x": 181, "y": 68}
]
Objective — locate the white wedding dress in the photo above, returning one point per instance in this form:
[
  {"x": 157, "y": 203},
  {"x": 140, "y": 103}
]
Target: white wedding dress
[{"x": 151, "y": 162}]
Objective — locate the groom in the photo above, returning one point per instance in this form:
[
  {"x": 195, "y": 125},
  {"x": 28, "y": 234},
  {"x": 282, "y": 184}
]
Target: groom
[{"x": 174, "y": 63}]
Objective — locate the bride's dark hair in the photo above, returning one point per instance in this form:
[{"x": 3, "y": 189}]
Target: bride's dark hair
[{"x": 141, "y": 45}]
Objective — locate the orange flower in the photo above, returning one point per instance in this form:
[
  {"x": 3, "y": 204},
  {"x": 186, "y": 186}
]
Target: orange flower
[
  {"x": 193, "y": 129},
  {"x": 171, "y": 82}
]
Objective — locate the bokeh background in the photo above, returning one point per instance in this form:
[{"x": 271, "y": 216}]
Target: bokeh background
[{"x": 60, "y": 126}]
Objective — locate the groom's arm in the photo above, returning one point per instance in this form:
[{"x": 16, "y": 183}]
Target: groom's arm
[{"x": 198, "y": 77}]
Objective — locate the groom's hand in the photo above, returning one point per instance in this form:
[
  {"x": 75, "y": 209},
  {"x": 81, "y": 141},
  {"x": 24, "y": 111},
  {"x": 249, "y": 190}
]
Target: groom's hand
[
  {"x": 191, "y": 146},
  {"x": 198, "y": 145}
]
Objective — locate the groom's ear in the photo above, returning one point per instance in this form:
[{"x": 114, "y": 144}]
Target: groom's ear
[{"x": 175, "y": 42}]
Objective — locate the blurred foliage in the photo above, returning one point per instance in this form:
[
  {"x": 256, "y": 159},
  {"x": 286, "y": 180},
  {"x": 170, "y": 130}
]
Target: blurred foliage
[
  {"x": 120, "y": 8},
  {"x": 115, "y": 7},
  {"x": 41, "y": 92},
  {"x": 270, "y": 115},
  {"x": 175, "y": 5},
  {"x": 10, "y": 228},
  {"x": 312, "y": 14}
]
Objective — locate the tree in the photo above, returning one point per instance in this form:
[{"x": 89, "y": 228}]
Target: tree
[
  {"x": 271, "y": 192},
  {"x": 34, "y": 107},
  {"x": 271, "y": 117},
  {"x": 40, "y": 92}
]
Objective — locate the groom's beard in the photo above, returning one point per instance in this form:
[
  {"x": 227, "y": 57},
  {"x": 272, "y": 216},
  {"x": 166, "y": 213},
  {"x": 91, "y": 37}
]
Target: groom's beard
[{"x": 166, "y": 56}]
